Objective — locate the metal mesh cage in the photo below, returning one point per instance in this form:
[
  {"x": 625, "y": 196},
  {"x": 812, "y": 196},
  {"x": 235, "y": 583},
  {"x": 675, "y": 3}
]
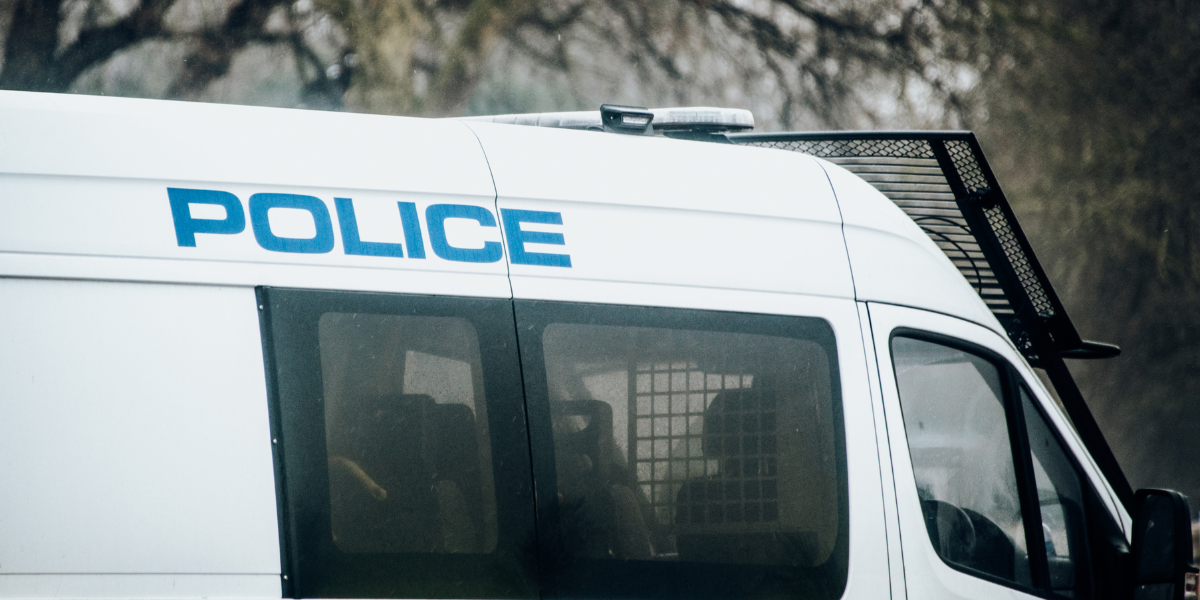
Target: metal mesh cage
[
  {"x": 1024, "y": 271},
  {"x": 966, "y": 166},
  {"x": 942, "y": 182},
  {"x": 908, "y": 173},
  {"x": 666, "y": 430}
]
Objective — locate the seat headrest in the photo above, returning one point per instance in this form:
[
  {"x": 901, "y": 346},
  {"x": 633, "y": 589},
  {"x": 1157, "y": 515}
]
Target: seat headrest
[
  {"x": 392, "y": 423},
  {"x": 735, "y": 420}
]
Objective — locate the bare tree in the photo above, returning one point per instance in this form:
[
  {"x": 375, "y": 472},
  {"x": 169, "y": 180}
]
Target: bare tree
[
  {"x": 38, "y": 57},
  {"x": 1093, "y": 113},
  {"x": 794, "y": 60}
]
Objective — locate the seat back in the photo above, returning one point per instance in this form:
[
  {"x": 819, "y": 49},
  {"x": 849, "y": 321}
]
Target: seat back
[
  {"x": 734, "y": 516},
  {"x": 453, "y": 443},
  {"x": 385, "y": 443}
]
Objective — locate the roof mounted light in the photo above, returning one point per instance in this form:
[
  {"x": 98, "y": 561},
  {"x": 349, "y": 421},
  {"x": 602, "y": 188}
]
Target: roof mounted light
[
  {"x": 680, "y": 121},
  {"x": 703, "y": 118},
  {"x": 626, "y": 119}
]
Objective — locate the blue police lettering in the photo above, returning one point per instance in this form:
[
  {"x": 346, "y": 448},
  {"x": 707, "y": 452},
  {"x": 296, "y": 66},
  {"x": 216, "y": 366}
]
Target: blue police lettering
[
  {"x": 320, "y": 243},
  {"x": 351, "y": 243},
  {"x": 323, "y": 241},
  {"x": 435, "y": 219},
  {"x": 412, "y": 230},
  {"x": 517, "y": 237},
  {"x": 187, "y": 227}
]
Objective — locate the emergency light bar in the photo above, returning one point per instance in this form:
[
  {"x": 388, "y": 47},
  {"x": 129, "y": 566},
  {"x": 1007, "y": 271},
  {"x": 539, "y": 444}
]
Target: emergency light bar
[{"x": 629, "y": 119}]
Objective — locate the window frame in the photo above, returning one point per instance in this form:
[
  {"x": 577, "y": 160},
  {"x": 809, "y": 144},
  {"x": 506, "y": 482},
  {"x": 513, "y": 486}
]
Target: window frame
[
  {"x": 1085, "y": 574},
  {"x": 601, "y": 578},
  {"x": 310, "y": 563},
  {"x": 1012, "y": 383}
]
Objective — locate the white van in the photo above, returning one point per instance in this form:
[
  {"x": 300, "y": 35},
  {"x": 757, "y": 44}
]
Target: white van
[{"x": 263, "y": 353}]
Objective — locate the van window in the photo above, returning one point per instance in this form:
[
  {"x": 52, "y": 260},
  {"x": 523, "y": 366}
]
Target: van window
[
  {"x": 406, "y": 434},
  {"x": 1060, "y": 495},
  {"x": 958, "y": 437},
  {"x": 402, "y": 444},
  {"x": 685, "y": 453}
]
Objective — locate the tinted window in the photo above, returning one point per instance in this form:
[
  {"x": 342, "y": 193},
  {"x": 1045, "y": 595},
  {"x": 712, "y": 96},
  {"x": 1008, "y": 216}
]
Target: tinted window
[
  {"x": 401, "y": 436},
  {"x": 685, "y": 453},
  {"x": 1060, "y": 503},
  {"x": 958, "y": 437},
  {"x": 406, "y": 434}
]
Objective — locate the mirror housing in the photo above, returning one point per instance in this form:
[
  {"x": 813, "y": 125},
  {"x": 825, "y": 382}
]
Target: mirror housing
[{"x": 1162, "y": 547}]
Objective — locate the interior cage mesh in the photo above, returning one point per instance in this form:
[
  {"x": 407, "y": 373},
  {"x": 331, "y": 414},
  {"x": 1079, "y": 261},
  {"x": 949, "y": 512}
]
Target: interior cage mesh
[{"x": 667, "y": 424}]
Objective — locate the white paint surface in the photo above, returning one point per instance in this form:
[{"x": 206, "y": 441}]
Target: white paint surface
[
  {"x": 134, "y": 436},
  {"x": 894, "y": 261},
  {"x": 669, "y": 212},
  {"x": 83, "y": 181}
]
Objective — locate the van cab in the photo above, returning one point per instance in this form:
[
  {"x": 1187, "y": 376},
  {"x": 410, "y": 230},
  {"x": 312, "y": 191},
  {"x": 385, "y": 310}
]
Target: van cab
[{"x": 263, "y": 353}]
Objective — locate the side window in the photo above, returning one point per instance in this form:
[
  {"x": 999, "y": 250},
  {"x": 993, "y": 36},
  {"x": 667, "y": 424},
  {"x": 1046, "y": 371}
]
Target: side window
[
  {"x": 393, "y": 415},
  {"x": 1060, "y": 503},
  {"x": 958, "y": 436},
  {"x": 1027, "y": 517},
  {"x": 406, "y": 434},
  {"x": 685, "y": 453}
]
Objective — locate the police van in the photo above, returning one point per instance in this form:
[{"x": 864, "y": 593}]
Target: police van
[{"x": 264, "y": 353}]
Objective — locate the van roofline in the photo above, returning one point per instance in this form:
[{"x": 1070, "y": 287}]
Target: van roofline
[
  {"x": 681, "y": 118},
  {"x": 967, "y": 215},
  {"x": 864, "y": 134}
]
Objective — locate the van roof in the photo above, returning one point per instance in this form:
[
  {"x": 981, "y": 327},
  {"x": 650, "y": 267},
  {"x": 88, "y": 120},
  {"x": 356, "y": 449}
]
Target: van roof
[
  {"x": 940, "y": 179},
  {"x": 205, "y": 144},
  {"x": 757, "y": 190}
]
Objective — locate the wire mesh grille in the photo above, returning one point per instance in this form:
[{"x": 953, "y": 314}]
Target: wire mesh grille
[
  {"x": 854, "y": 148},
  {"x": 907, "y": 172},
  {"x": 1024, "y": 271},
  {"x": 742, "y": 433},
  {"x": 667, "y": 443},
  {"x": 967, "y": 166}
]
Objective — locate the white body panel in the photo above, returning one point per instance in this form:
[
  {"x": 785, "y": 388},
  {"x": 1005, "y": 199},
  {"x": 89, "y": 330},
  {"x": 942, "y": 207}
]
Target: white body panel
[
  {"x": 891, "y": 529},
  {"x": 653, "y": 210},
  {"x": 84, "y": 192},
  {"x": 134, "y": 437},
  {"x": 894, "y": 261},
  {"x": 766, "y": 241}
]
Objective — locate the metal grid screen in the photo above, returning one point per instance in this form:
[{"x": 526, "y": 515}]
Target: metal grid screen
[
  {"x": 742, "y": 433},
  {"x": 907, "y": 172},
  {"x": 1024, "y": 271},
  {"x": 667, "y": 439}
]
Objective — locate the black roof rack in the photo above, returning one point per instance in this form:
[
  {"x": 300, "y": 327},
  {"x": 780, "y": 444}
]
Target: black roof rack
[{"x": 943, "y": 182}]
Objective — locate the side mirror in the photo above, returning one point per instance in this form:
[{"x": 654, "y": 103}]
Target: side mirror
[{"x": 1162, "y": 547}]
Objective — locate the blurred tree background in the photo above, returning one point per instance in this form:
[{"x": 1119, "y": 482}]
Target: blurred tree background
[{"x": 1088, "y": 109}]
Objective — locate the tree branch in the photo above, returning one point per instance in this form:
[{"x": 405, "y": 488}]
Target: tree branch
[{"x": 210, "y": 58}]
